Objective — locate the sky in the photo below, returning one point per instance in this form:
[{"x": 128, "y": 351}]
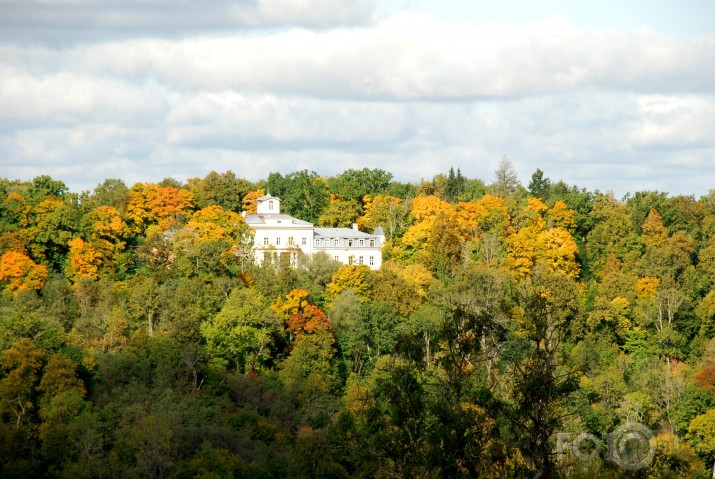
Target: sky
[{"x": 607, "y": 95}]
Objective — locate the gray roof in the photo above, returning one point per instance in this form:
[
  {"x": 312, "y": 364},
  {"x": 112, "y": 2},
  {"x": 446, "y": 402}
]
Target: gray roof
[
  {"x": 340, "y": 233},
  {"x": 288, "y": 219},
  {"x": 267, "y": 197}
]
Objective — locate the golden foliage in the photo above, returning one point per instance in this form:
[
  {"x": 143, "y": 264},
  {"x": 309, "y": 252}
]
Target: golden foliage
[
  {"x": 84, "y": 261},
  {"x": 20, "y": 273},
  {"x": 355, "y": 277},
  {"x": 250, "y": 204},
  {"x": 647, "y": 287},
  {"x": 654, "y": 232},
  {"x": 295, "y": 301},
  {"x": 214, "y": 223},
  {"x": 561, "y": 216},
  {"x": 151, "y": 204}
]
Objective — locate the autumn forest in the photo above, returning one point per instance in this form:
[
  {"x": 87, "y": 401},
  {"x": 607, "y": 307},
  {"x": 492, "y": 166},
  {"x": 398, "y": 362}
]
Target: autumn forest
[{"x": 140, "y": 338}]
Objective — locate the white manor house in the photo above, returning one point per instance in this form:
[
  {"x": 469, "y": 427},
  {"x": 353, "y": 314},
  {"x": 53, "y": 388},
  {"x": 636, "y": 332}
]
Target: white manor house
[{"x": 278, "y": 234}]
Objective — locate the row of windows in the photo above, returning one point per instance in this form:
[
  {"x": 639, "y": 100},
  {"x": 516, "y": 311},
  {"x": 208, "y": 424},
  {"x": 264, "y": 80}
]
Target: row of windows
[
  {"x": 350, "y": 242},
  {"x": 360, "y": 260},
  {"x": 291, "y": 241}
]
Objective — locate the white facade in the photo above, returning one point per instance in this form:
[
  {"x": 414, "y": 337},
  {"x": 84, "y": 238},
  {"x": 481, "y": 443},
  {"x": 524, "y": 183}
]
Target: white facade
[{"x": 281, "y": 235}]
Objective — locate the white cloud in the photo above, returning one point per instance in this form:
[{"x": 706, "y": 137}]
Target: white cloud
[
  {"x": 675, "y": 122},
  {"x": 409, "y": 94},
  {"x": 415, "y": 57},
  {"x": 69, "y": 21}
]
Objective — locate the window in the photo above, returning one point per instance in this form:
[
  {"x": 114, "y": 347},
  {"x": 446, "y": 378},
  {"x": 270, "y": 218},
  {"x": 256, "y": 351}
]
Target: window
[
  {"x": 362, "y": 242},
  {"x": 265, "y": 241},
  {"x": 336, "y": 242},
  {"x": 351, "y": 259},
  {"x": 350, "y": 243},
  {"x": 337, "y": 258},
  {"x": 290, "y": 241},
  {"x": 372, "y": 261},
  {"x": 372, "y": 243},
  {"x": 317, "y": 241},
  {"x": 278, "y": 241},
  {"x": 360, "y": 261},
  {"x": 270, "y": 205},
  {"x": 304, "y": 241}
]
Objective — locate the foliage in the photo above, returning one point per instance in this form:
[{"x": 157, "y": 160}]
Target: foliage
[{"x": 138, "y": 337}]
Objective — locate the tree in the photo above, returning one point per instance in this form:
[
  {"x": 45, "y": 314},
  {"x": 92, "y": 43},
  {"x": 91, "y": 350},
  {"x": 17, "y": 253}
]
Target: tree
[
  {"x": 241, "y": 336},
  {"x": 701, "y": 433},
  {"x": 454, "y": 187},
  {"x": 307, "y": 321},
  {"x": 250, "y": 204},
  {"x": 389, "y": 212},
  {"x": 43, "y": 187},
  {"x": 355, "y": 277},
  {"x": 539, "y": 187},
  {"x": 355, "y": 184},
  {"x": 151, "y": 204},
  {"x": 506, "y": 181},
  {"x": 304, "y": 194},
  {"x": 541, "y": 378},
  {"x": 340, "y": 213},
  {"x": 22, "y": 364},
  {"x": 612, "y": 233},
  {"x": 54, "y": 222},
  {"x": 20, "y": 273},
  {"x": 84, "y": 261},
  {"x": 111, "y": 193},
  {"x": 224, "y": 190}
]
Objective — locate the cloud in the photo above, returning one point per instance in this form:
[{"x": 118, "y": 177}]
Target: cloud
[
  {"x": 410, "y": 94},
  {"x": 68, "y": 21},
  {"x": 413, "y": 57}
]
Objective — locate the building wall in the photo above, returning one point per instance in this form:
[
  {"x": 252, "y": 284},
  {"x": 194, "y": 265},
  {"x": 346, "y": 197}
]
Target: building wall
[{"x": 282, "y": 235}]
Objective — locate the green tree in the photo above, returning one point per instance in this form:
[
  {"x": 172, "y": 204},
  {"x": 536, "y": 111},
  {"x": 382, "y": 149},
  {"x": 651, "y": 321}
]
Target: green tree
[
  {"x": 222, "y": 189},
  {"x": 701, "y": 433},
  {"x": 22, "y": 364},
  {"x": 541, "y": 379},
  {"x": 355, "y": 184},
  {"x": 242, "y": 335},
  {"x": 340, "y": 213},
  {"x": 539, "y": 186},
  {"x": 304, "y": 194}
]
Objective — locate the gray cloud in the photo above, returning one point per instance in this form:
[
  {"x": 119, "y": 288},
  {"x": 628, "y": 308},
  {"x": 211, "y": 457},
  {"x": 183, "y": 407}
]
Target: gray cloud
[
  {"x": 69, "y": 21},
  {"x": 409, "y": 94}
]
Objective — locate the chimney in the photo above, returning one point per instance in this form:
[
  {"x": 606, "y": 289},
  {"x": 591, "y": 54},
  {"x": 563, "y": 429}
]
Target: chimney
[{"x": 355, "y": 227}]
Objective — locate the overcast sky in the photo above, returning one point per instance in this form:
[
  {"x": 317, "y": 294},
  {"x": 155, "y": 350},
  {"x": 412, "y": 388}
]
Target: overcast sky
[{"x": 611, "y": 94}]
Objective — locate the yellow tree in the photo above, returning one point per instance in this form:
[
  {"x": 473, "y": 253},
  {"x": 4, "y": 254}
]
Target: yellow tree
[
  {"x": 556, "y": 249},
  {"x": 654, "y": 232},
  {"x": 150, "y": 204},
  {"x": 214, "y": 223},
  {"x": 105, "y": 229},
  {"x": 19, "y": 272},
  {"x": 84, "y": 261},
  {"x": 355, "y": 277},
  {"x": 418, "y": 239},
  {"x": 295, "y": 301},
  {"x": 522, "y": 246},
  {"x": 249, "y": 201},
  {"x": 387, "y": 211},
  {"x": 487, "y": 214},
  {"x": 534, "y": 244},
  {"x": 561, "y": 216},
  {"x": 340, "y": 212}
]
